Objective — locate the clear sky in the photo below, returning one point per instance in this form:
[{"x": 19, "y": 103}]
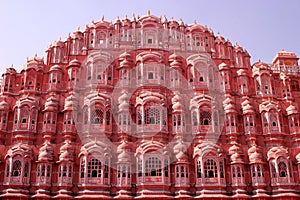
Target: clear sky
[{"x": 263, "y": 27}]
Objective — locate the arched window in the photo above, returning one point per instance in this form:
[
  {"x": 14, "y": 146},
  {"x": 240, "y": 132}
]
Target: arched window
[
  {"x": 97, "y": 116},
  {"x": 205, "y": 118},
  {"x": 16, "y": 168},
  {"x": 152, "y": 116},
  {"x": 94, "y": 168},
  {"x": 199, "y": 174},
  {"x": 150, "y": 75},
  {"x": 82, "y": 168},
  {"x": 282, "y": 169},
  {"x": 210, "y": 169},
  {"x": 153, "y": 167},
  {"x": 259, "y": 171}
]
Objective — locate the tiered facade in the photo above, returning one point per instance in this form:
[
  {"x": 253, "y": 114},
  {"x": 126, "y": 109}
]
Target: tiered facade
[{"x": 147, "y": 108}]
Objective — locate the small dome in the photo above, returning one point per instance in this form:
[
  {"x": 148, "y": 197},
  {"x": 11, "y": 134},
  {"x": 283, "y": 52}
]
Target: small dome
[
  {"x": 125, "y": 55},
  {"x": 182, "y": 157},
  {"x": 236, "y": 157},
  {"x": 10, "y": 70},
  {"x": 51, "y": 104},
  {"x": 66, "y": 152},
  {"x": 55, "y": 68},
  {"x": 254, "y": 154},
  {"x": 70, "y": 102},
  {"x": 291, "y": 110},
  {"x": 255, "y": 157},
  {"x": 234, "y": 149},
  {"x": 177, "y": 105},
  {"x": 74, "y": 63},
  {"x": 4, "y": 105},
  {"x": 46, "y": 152}
]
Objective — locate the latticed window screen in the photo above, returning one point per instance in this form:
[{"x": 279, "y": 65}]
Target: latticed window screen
[
  {"x": 221, "y": 170},
  {"x": 205, "y": 118},
  {"x": 94, "y": 168},
  {"x": 152, "y": 116},
  {"x": 82, "y": 168},
  {"x": 140, "y": 172},
  {"x": 153, "y": 167},
  {"x": 139, "y": 117},
  {"x": 210, "y": 169},
  {"x": 97, "y": 116},
  {"x": 16, "y": 168},
  {"x": 199, "y": 175},
  {"x": 282, "y": 169}
]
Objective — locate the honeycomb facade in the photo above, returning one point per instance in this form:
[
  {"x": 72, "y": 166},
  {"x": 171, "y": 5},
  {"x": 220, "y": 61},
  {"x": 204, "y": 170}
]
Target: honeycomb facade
[{"x": 150, "y": 108}]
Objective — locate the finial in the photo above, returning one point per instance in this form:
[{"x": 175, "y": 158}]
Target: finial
[
  {"x": 102, "y": 19},
  {"x": 259, "y": 60},
  {"x": 126, "y": 17},
  {"x": 195, "y": 22},
  {"x": 59, "y": 38},
  {"x": 282, "y": 49},
  {"x": 219, "y": 33},
  {"x": 138, "y": 16},
  {"x": 35, "y": 55},
  {"x": 78, "y": 28},
  {"x": 93, "y": 21},
  {"x": 118, "y": 17},
  {"x": 12, "y": 66},
  {"x": 148, "y": 12}
]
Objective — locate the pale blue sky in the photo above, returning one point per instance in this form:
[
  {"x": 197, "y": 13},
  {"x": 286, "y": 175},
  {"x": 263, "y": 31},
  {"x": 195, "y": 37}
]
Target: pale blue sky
[{"x": 262, "y": 27}]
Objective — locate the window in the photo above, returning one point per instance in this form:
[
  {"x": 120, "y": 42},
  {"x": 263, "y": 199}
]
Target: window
[
  {"x": 94, "y": 168},
  {"x": 282, "y": 169},
  {"x": 16, "y": 168},
  {"x": 150, "y": 75},
  {"x": 152, "y": 116},
  {"x": 82, "y": 168},
  {"x": 153, "y": 167},
  {"x": 205, "y": 118},
  {"x": 199, "y": 175},
  {"x": 210, "y": 169},
  {"x": 150, "y": 41},
  {"x": 97, "y": 116}
]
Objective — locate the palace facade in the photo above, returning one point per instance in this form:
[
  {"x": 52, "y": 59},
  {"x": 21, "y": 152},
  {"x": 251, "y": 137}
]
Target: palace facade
[{"x": 150, "y": 108}]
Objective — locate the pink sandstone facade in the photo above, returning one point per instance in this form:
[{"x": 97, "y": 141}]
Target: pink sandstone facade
[{"x": 150, "y": 108}]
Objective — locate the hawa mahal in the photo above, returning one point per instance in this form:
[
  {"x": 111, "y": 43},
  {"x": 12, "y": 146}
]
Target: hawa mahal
[{"x": 150, "y": 108}]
